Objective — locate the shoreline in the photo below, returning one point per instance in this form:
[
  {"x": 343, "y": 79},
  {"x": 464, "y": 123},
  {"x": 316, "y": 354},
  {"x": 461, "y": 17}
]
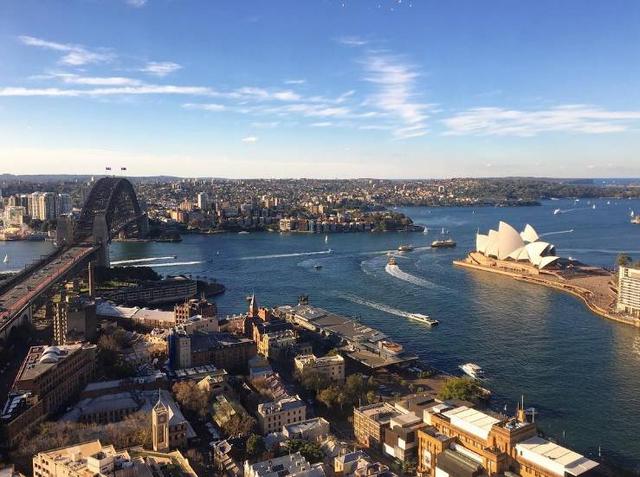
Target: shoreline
[{"x": 580, "y": 292}]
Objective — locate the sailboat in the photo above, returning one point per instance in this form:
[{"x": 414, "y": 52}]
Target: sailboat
[
  {"x": 326, "y": 239},
  {"x": 425, "y": 230},
  {"x": 6, "y": 258}
]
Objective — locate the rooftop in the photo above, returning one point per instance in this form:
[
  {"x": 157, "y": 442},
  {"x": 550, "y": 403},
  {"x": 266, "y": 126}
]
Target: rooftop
[
  {"x": 40, "y": 359},
  {"x": 281, "y": 405},
  {"x": 472, "y": 421},
  {"x": 554, "y": 457}
]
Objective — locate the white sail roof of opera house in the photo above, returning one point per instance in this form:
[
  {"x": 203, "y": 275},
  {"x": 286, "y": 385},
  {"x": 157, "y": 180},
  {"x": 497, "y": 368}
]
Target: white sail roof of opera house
[{"x": 508, "y": 243}]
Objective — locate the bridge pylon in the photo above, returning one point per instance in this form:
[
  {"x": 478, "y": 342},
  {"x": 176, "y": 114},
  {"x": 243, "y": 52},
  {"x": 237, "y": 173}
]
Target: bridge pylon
[{"x": 101, "y": 238}]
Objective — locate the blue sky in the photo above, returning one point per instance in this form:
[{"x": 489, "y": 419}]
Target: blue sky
[{"x": 368, "y": 88}]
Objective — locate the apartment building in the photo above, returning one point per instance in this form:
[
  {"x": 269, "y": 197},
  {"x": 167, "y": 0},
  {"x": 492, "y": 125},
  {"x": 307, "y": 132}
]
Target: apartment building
[
  {"x": 370, "y": 422},
  {"x": 330, "y": 366},
  {"x": 48, "y": 378},
  {"x": 629, "y": 291},
  {"x": 273, "y": 415}
]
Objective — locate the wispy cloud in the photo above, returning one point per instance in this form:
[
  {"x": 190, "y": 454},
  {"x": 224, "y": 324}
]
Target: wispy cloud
[
  {"x": 395, "y": 94},
  {"x": 136, "y": 3},
  {"x": 113, "y": 91},
  {"x": 323, "y": 124},
  {"x": 70, "y": 78},
  {"x": 215, "y": 107},
  {"x": 250, "y": 139},
  {"x": 160, "y": 68},
  {"x": 295, "y": 81},
  {"x": 584, "y": 119},
  {"x": 73, "y": 55},
  {"x": 351, "y": 41},
  {"x": 251, "y": 92}
]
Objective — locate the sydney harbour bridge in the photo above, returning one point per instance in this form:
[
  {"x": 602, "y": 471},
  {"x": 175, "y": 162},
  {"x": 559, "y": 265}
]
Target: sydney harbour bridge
[{"x": 111, "y": 209}]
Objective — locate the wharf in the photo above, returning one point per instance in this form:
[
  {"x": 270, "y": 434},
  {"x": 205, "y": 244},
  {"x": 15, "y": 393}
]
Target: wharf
[
  {"x": 590, "y": 284},
  {"x": 368, "y": 346}
]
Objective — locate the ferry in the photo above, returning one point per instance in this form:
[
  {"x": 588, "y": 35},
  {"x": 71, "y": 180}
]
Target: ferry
[
  {"x": 472, "y": 370},
  {"x": 425, "y": 319},
  {"x": 405, "y": 248},
  {"x": 392, "y": 260},
  {"x": 448, "y": 243}
]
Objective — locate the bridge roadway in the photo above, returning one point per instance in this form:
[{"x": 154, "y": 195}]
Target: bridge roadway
[{"x": 15, "y": 300}]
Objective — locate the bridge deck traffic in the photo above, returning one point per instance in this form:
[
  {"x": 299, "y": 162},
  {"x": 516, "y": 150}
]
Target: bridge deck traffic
[{"x": 18, "y": 297}]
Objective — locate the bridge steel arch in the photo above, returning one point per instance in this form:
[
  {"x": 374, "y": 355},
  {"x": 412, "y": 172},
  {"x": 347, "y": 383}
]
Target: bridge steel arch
[{"x": 111, "y": 207}]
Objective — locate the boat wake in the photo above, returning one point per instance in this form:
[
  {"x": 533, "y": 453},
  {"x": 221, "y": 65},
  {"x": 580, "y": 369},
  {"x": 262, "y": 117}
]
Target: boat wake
[
  {"x": 285, "y": 255},
  {"x": 557, "y": 233},
  {"x": 395, "y": 271},
  {"x": 169, "y": 264},
  {"x": 142, "y": 260},
  {"x": 374, "y": 305}
]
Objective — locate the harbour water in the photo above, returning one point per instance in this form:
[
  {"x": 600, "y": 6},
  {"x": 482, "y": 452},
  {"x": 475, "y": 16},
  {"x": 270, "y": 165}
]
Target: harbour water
[{"x": 581, "y": 372}]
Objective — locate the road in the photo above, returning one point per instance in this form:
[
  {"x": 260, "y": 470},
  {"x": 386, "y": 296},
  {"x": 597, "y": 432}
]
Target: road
[{"x": 14, "y": 300}]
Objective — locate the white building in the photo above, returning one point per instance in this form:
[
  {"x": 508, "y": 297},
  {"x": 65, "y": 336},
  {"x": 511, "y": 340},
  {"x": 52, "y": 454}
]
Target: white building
[
  {"x": 330, "y": 366},
  {"x": 629, "y": 291},
  {"x": 272, "y": 416},
  {"x": 507, "y": 243},
  {"x": 292, "y": 465}
]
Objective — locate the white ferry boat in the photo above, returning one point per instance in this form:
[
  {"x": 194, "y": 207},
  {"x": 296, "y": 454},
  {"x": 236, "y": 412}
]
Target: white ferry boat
[
  {"x": 472, "y": 370},
  {"x": 425, "y": 319}
]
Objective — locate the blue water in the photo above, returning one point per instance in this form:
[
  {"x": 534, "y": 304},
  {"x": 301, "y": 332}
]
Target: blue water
[{"x": 581, "y": 372}]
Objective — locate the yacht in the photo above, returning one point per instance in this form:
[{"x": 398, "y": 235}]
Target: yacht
[
  {"x": 405, "y": 248},
  {"x": 636, "y": 220},
  {"x": 425, "y": 319},
  {"x": 243, "y": 232},
  {"x": 557, "y": 211},
  {"x": 472, "y": 370},
  {"x": 447, "y": 243},
  {"x": 392, "y": 261}
]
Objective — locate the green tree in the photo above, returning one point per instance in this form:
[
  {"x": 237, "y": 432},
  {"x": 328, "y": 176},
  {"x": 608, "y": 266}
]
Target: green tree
[
  {"x": 255, "y": 445},
  {"x": 459, "y": 388},
  {"x": 313, "y": 380},
  {"x": 624, "y": 260},
  {"x": 330, "y": 397},
  {"x": 192, "y": 397},
  {"x": 309, "y": 450}
]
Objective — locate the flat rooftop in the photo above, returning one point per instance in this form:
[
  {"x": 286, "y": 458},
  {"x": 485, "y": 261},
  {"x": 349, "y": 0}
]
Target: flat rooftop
[
  {"x": 472, "y": 421},
  {"x": 554, "y": 457}
]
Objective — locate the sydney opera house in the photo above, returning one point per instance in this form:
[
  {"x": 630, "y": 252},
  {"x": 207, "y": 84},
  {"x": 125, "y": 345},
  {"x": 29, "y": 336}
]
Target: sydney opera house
[{"x": 514, "y": 250}]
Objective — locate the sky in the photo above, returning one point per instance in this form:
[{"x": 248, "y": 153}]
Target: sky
[{"x": 321, "y": 88}]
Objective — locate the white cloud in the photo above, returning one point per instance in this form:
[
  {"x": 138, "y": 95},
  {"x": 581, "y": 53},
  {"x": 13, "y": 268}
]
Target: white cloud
[
  {"x": 261, "y": 94},
  {"x": 395, "y": 81},
  {"x": 323, "y": 124},
  {"x": 295, "y": 81},
  {"x": 160, "y": 68},
  {"x": 70, "y": 78},
  {"x": 136, "y": 3},
  {"x": 214, "y": 107},
  {"x": 351, "y": 41},
  {"x": 124, "y": 90},
  {"x": 250, "y": 139},
  {"x": 585, "y": 119},
  {"x": 74, "y": 55}
]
